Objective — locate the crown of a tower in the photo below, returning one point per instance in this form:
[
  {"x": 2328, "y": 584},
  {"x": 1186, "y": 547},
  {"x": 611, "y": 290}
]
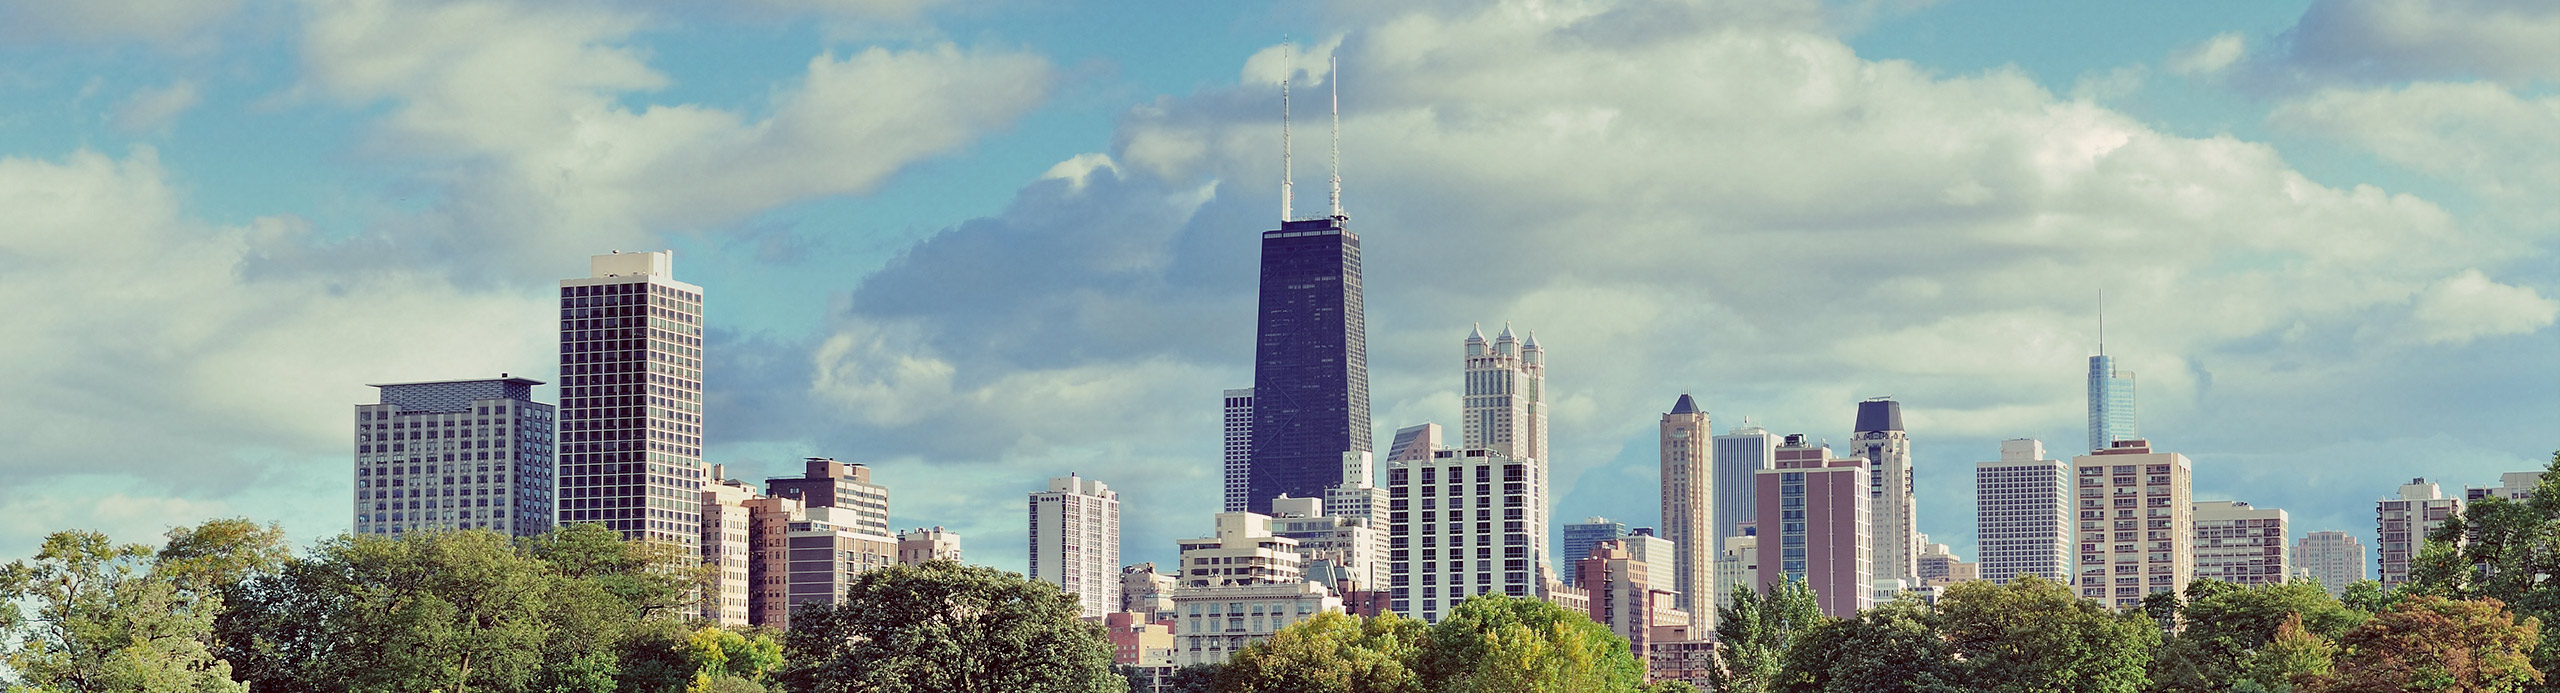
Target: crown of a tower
[
  {"x": 1506, "y": 333},
  {"x": 1477, "y": 334}
]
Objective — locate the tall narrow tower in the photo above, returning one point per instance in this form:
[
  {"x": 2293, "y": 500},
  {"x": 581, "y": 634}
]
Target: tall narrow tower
[
  {"x": 1075, "y": 541},
  {"x": 1505, "y": 407},
  {"x": 1896, "y": 528},
  {"x": 2110, "y": 396},
  {"x": 1688, "y": 506},
  {"x": 1311, "y": 355},
  {"x": 631, "y": 400}
]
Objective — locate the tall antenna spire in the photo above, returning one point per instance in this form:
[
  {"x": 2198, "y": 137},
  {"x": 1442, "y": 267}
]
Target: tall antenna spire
[
  {"x": 2102, "y": 322},
  {"x": 1288, "y": 68},
  {"x": 1333, "y": 80}
]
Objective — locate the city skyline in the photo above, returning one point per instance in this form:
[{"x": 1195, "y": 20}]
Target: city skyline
[{"x": 234, "y": 220}]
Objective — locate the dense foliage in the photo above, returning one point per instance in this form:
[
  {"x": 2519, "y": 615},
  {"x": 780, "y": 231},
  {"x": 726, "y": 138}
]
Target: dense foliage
[
  {"x": 1488, "y": 644},
  {"x": 944, "y": 626}
]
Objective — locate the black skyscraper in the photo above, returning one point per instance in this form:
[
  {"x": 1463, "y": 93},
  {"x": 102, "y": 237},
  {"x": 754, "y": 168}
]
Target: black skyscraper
[{"x": 1311, "y": 362}]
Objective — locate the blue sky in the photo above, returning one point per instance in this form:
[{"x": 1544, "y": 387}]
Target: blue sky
[{"x": 979, "y": 243}]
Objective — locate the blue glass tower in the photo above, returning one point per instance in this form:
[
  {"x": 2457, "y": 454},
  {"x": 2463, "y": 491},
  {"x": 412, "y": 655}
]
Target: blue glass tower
[
  {"x": 2110, "y": 403},
  {"x": 1310, "y": 362}
]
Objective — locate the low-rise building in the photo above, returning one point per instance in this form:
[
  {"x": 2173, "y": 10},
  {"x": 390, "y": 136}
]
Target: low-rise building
[
  {"x": 1137, "y": 640},
  {"x": 1215, "y": 622},
  {"x": 916, "y": 546}
]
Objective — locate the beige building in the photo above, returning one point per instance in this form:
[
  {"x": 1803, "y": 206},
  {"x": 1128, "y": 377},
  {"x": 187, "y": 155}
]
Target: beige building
[
  {"x": 1939, "y": 566},
  {"x": 1622, "y": 594},
  {"x": 769, "y": 566},
  {"x": 2136, "y": 515},
  {"x": 1467, "y": 522},
  {"x": 1739, "y": 564},
  {"x": 1215, "y": 622},
  {"x": 1146, "y": 590},
  {"x": 1243, "y": 552},
  {"x": 728, "y": 547},
  {"x": 1075, "y": 541},
  {"x": 827, "y": 483},
  {"x": 1350, "y": 543},
  {"x": 916, "y": 546},
  {"x": 2242, "y": 545},
  {"x": 2514, "y": 486},
  {"x": 1661, "y": 555},
  {"x": 2402, "y": 525},
  {"x": 1688, "y": 504},
  {"x": 2336, "y": 559}
]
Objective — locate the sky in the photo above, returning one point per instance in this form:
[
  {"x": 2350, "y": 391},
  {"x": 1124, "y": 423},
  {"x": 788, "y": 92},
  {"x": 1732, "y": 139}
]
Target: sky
[{"x": 975, "y": 244}]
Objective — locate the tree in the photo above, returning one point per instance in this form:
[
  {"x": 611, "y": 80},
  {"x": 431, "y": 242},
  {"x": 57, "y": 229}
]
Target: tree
[
  {"x": 1331, "y": 652},
  {"x": 2294, "y": 655},
  {"x": 943, "y": 626},
  {"x": 1755, "y": 632},
  {"x": 2504, "y": 550},
  {"x": 2432, "y": 643},
  {"x": 112, "y": 617},
  {"x": 1498, "y": 644},
  {"x": 1893, "y": 647},
  {"x": 2034, "y": 635},
  {"x": 2225, "y": 625},
  {"x": 714, "y": 654}
]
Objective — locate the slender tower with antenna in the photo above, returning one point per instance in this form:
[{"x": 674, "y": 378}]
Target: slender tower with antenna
[
  {"x": 1310, "y": 430},
  {"x": 1288, "y": 69},
  {"x": 2111, "y": 415},
  {"x": 1333, "y": 82}
]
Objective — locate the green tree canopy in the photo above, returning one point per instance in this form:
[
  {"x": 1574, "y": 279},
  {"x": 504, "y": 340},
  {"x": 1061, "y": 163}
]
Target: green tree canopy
[
  {"x": 1756, "y": 630},
  {"x": 943, "y": 626},
  {"x": 2224, "y": 626},
  {"x": 1893, "y": 647},
  {"x": 2034, "y": 636},
  {"x": 122, "y": 618},
  {"x": 1498, "y": 644},
  {"x": 2430, "y": 643},
  {"x": 1331, "y": 652}
]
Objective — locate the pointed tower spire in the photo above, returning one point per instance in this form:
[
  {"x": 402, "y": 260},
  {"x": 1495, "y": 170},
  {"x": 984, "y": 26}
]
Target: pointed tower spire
[
  {"x": 1288, "y": 68},
  {"x": 2102, "y": 322},
  {"x": 1477, "y": 334},
  {"x": 1333, "y": 81},
  {"x": 1506, "y": 331},
  {"x": 1532, "y": 342}
]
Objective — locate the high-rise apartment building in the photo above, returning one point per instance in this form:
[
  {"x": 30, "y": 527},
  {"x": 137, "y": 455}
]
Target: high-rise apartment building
[
  {"x": 1466, "y": 522},
  {"x": 2022, "y": 514},
  {"x": 454, "y": 454},
  {"x": 826, "y": 483},
  {"x": 925, "y": 544},
  {"x": 1311, "y": 362},
  {"x": 829, "y": 548},
  {"x": 1739, "y": 455},
  {"x": 2242, "y": 545},
  {"x": 769, "y": 527},
  {"x": 1688, "y": 504},
  {"x": 631, "y": 400},
  {"x": 2513, "y": 486},
  {"x": 1577, "y": 538},
  {"x": 1237, "y": 420},
  {"x": 1644, "y": 544},
  {"x": 2136, "y": 531},
  {"x": 728, "y": 550},
  {"x": 1815, "y": 509},
  {"x": 2336, "y": 559},
  {"x": 2402, "y": 526},
  {"x": 1240, "y": 585},
  {"x": 1881, "y": 439},
  {"x": 1075, "y": 541},
  {"x": 1622, "y": 594},
  {"x": 2110, "y": 402},
  {"x": 1505, "y": 406}
]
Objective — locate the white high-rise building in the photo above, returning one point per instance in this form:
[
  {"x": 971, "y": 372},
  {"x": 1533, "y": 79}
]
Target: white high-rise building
[
  {"x": 1075, "y": 541},
  {"x": 1688, "y": 507},
  {"x": 2242, "y": 545},
  {"x": 1896, "y": 530},
  {"x": 1646, "y": 547},
  {"x": 2336, "y": 559},
  {"x": 1472, "y": 521},
  {"x": 456, "y": 454},
  {"x": 1739, "y": 454},
  {"x": 1239, "y": 448},
  {"x": 1505, "y": 408},
  {"x": 631, "y": 400},
  {"x": 2022, "y": 514},
  {"x": 727, "y": 548},
  {"x": 2402, "y": 525},
  {"x": 2137, "y": 522}
]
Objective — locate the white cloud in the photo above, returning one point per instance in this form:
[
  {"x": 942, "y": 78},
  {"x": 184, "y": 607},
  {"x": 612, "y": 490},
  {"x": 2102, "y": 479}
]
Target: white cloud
[
  {"x": 2212, "y": 56},
  {"x": 2478, "y": 134},
  {"x": 2389, "y": 40},
  {"x": 155, "y": 108},
  {"x": 2469, "y": 306}
]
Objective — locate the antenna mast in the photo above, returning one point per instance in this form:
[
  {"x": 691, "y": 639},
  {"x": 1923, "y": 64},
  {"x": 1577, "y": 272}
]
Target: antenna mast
[
  {"x": 1288, "y": 56},
  {"x": 2102, "y": 322},
  {"x": 1333, "y": 80}
]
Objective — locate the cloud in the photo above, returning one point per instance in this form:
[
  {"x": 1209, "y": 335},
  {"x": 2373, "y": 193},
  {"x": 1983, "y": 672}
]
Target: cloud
[
  {"x": 2479, "y": 134},
  {"x": 1747, "y": 210},
  {"x": 2370, "y": 41},
  {"x": 521, "y": 111},
  {"x": 150, "y": 21},
  {"x": 2212, "y": 56},
  {"x": 155, "y": 108},
  {"x": 2469, "y": 306}
]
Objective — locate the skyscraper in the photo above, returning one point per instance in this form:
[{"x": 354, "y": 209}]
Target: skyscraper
[
  {"x": 1688, "y": 507},
  {"x": 1075, "y": 541},
  {"x": 2336, "y": 559},
  {"x": 1578, "y": 538},
  {"x": 2242, "y": 545},
  {"x": 2402, "y": 525},
  {"x": 1815, "y": 510},
  {"x": 728, "y": 549},
  {"x": 2110, "y": 402},
  {"x": 1505, "y": 406},
  {"x": 454, "y": 454},
  {"x": 2137, "y": 522},
  {"x": 1881, "y": 439},
  {"x": 1238, "y": 421},
  {"x": 631, "y": 399},
  {"x": 1449, "y": 544},
  {"x": 1311, "y": 362},
  {"x": 2022, "y": 514},
  {"x": 1740, "y": 454}
]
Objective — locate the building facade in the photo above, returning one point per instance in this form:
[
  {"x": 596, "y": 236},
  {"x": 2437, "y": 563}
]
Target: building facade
[
  {"x": 2336, "y": 559},
  {"x": 1739, "y": 455},
  {"x": 1311, "y": 362},
  {"x": 1075, "y": 541},
  {"x": 1505, "y": 408},
  {"x": 1243, "y": 551},
  {"x": 826, "y": 483},
  {"x": 2110, "y": 403},
  {"x": 1351, "y": 544},
  {"x": 1688, "y": 503},
  {"x": 1138, "y": 641},
  {"x": 2022, "y": 514},
  {"x": 1218, "y": 621},
  {"x": 455, "y": 454},
  {"x": 631, "y": 400},
  {"x": 1237, "y": 424},
  {"x": 2402, "y": 524},
  {"x": 829, "y": 548},
  {"x": 1147, "y": 590},
  {"x": 1577, "y": 538},
  {"x": 2136, "y": 514},
  {"x": 1896, "y": 531},
  {"x": 1622, "y": 597},
  {"x": 728, "y": 550},
  {"x": 1738, "y": 564},
  {"x": 1465, "y": 522},
  {"x": 2512, "y": 486},
  {"x": 1646, "y": 545},
  {"x": 769, "y": 522},
  {"x": 1814, "y": 509},
  {"x": 924, "y": 544},
  {"x": 2242, "y": 545}
]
